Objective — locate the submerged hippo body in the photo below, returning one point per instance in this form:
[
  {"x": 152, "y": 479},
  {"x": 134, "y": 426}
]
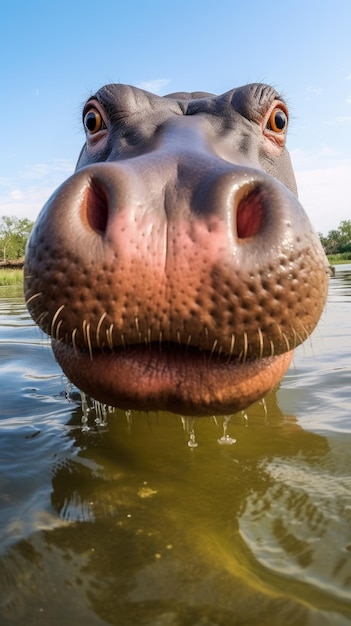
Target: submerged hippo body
[{"x": 176, "y": 268}]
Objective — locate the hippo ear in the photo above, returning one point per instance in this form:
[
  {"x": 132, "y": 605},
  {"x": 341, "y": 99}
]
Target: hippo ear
[{"x": 252, "y": 101}]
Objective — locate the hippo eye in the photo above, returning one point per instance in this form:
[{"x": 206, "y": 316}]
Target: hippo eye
[
  {"x": 278, "y": 120},
  {"x": 93, "y": 122}
]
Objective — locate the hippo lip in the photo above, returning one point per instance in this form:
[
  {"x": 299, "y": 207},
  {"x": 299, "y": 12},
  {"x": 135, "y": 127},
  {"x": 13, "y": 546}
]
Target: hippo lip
[{"x": 180, "y": 379}]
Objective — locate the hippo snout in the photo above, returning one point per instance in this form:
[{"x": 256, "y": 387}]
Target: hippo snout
[{"x": 176, "y": 268}]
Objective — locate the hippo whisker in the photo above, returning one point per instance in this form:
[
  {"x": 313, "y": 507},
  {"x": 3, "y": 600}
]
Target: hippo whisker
[
  {"x": 86, "y": 332},
  {"x": 98, "y": 328},
  {"x": 136, "y": 322},
  {"x": 123, "y": 342},
  {"x": 302, "y": 335},
  {"x": 299, "y": 338},
  {"x": 84, "y": 325},
  {"x": 57, "y": 334},
  {"x": 109, "y": 336},
  {"x": 272, "y": 347},
  {"x": 188, "y": 341},
  {"x": 307, "y": 334},
  {"x": 74, "y": 333},
  {"x": 53, "y": 321},
  {"x": 260, "y": 338},
  {"x": 35, "y": 295},
  {"x": 231, "y": 348},
  {"x": 160, "y": 338},
  {"x": 246, "y": 345},
  {"x": 40, "y": 320},
  {"x": 213, "y": 347},
  {"x": 147, "y": 338},
  {"x": 286, "y": 341},
  {"x": 295, "y": 335}
]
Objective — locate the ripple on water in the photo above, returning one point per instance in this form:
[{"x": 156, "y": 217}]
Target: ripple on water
[
  {"x": 127, "y": 519},
  {"x": 300, "y": 526}
]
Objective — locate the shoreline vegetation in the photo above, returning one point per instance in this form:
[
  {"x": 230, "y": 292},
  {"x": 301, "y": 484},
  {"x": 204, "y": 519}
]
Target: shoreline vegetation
[
  {"x": 13, "y": 276},
  {"x": 338, "y": 259},
  {"x": 12, "y": 273}
]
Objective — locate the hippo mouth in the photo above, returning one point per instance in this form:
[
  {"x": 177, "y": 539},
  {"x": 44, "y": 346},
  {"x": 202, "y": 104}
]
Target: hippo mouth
[{"x": 181, "y": 379}]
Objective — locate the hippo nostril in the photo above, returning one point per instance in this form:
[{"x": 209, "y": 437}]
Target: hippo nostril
[
  {"x": 250, "y": 211},
  {"x": 95, "y": 207}
]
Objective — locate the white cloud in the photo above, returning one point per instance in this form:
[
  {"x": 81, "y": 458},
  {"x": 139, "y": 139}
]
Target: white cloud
[
  {"x": 340, "y": 119},
  {"x": 41, "y": 171},
  {"x": 155, "y": 86},
  {"x": 16, "y": 195},
  {"x": 25, "y": 195},
  {"x": 315, "y": 90},
  {"x": 348, "y": 77},
  {"x": 322, "y": 181}
]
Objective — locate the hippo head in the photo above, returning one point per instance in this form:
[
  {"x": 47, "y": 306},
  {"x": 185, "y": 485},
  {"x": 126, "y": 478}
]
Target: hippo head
[{"x": 176, "y": 268}]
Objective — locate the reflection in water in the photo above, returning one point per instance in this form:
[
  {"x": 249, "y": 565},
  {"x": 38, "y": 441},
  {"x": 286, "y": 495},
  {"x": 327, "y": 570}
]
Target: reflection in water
[{"x": 122, "y": 522}]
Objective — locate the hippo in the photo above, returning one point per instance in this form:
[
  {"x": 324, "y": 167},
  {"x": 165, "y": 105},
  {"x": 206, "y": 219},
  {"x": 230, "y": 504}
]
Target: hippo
[{"x": 176, "y": 269}]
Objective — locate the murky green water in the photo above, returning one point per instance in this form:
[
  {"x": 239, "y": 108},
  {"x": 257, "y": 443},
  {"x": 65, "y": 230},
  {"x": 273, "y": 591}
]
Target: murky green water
[{"x": 128, "y": 524}]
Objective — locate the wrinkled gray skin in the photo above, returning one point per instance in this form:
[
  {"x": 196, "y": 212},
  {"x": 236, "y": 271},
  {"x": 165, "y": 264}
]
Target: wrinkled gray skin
[{"x": 176, "y": 268}]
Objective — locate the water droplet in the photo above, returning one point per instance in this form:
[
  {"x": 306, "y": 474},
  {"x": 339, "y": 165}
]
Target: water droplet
[
  {"x": 85, "y": 411},
  {"x": 68, "y": 390},
  {"x": 192, "y": 443},
  {"x": 226, "y": 440},
  {"x": 146, "y": 492},
  {"x": 85, "y": 426},
  {"x": 188, "y": 427},
  {"x": 129, "y": 418},
  {"x": 245, "y": 417},
  {"x": 101, "y": 413},
  {"x": 263, "y": 402}
]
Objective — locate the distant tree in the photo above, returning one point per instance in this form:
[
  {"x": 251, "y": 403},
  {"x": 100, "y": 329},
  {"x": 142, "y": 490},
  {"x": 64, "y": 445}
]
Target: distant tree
[
  {"x": 337, "y": 241},
  {"x": 345, "y": 236},
  {"x": 324, "y": 242},
  {"x": 14, "y": 233}
]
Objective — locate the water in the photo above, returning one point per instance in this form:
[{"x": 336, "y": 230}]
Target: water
[{"x": 154, "y": 519}]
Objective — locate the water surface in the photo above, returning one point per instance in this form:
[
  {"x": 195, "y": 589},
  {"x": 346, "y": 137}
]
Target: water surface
[{"x": 126, "y": 523}]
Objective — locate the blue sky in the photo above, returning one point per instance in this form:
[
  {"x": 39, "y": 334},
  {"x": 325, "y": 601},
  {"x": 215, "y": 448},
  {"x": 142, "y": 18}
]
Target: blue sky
[{"x": 55, "y": 53}]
